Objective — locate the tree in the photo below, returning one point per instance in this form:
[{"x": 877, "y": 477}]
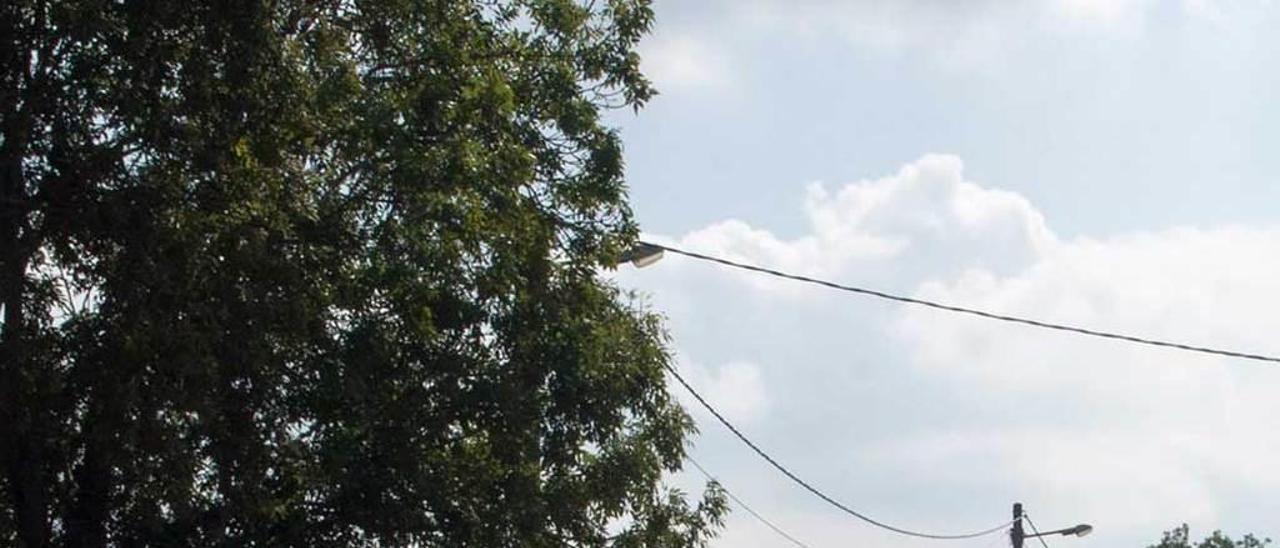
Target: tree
[
  {"x": 1180, "y": 537},
  {"x": 298, "y": 272}
]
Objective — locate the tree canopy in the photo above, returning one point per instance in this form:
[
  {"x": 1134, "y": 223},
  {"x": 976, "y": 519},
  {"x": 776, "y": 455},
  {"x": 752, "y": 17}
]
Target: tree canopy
[
  {"x": 299, "y": 272},
  {"x": 1180, "y": 537}
]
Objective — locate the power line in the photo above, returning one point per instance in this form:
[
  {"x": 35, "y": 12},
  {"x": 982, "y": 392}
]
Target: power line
[
  {"x": 744, "y": 506},
  {"x": 1034, "y": 530},
  {"x": 815, "y": 490},
  {"x": 973, "y": 311}
]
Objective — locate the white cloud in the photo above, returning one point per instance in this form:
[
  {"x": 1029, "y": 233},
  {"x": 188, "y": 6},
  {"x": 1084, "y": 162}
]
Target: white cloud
[
  {"x": 924, "y": 220},
  {"x": 1180, "y": 284},
  {"x": 928, "y": 204},
  {"x": 1103, "y": 12},
  {"x": 735, "y": 389},
  {"x": 1115, "y": 13},
  {"x": 930, "y": 418},
  {"x": 955, "y": 33},
  {"x": 684, "y": 63},
  {"x": 961, "y": 35},
  {"x": 1147, "y": 430}
]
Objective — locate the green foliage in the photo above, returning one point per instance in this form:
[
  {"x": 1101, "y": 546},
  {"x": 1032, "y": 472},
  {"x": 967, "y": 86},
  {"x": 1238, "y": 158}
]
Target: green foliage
[
  {"x": 296, "y": 272},
  {"x": 1180, "y": 537}
]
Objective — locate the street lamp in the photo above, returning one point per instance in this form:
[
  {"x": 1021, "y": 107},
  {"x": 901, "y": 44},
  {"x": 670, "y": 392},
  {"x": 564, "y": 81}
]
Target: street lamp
[
  {"x": 1079, "y": 531},
  {"x": 1017, "y": 535},
  {"x": 642, "y": 255}
]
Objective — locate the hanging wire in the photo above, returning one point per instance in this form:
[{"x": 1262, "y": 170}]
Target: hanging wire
[
  {"x": 744, "y": 506},
  {"x": 974, "y": 311},
  {"x": 810, "y": 488}
]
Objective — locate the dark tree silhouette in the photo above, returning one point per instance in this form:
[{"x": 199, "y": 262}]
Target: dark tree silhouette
[
  {"x": 317, "y": 272},
  {"x": 1180, "y": 537}
]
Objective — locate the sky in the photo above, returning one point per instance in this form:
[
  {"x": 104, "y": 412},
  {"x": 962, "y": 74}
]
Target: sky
[{"x": 1106, "y": 163}]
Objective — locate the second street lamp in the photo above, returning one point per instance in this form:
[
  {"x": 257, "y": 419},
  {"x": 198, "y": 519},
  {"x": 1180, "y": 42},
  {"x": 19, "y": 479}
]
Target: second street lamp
[{"x": 1017, "y": 535}]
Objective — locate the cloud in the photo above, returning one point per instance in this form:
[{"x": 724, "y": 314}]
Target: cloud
[
  {"x": 685, "y": 63},
  {"x": 1101, "y": 12},
  {"x": 924, "y": 220},
  {"x": 960, "y": 35},
  {"x": 938, "y": 420},
  {"x": 955, "y": 33},
  {"x": 1111, "y": 14},
  {"x": 1144, "y": 430},
  {"x": 735, "y": 389}
]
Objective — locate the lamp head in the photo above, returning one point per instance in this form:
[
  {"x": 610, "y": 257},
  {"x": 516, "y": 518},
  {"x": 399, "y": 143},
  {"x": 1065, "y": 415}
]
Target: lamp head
[
  {"x": 1079, "y": 530},
  {"x": 642, "y": 255}
]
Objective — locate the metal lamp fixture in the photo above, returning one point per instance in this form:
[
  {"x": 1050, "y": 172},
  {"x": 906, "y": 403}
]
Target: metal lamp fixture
[
  {"x": 1017, "y": 535},
  {"x": 642, "y": 255}
]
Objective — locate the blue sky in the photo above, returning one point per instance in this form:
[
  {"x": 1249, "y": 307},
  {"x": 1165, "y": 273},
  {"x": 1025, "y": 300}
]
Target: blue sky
[
  {"x": 1139, "y": 116},
  {"x": 1108, "y": 163}
]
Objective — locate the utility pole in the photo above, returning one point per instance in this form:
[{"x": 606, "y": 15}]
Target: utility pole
[{"x": 1016, "y": 534}]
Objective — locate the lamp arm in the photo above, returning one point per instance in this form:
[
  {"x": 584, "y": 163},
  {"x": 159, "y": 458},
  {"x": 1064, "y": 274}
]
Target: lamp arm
[{"x": 1067, "y": 531}]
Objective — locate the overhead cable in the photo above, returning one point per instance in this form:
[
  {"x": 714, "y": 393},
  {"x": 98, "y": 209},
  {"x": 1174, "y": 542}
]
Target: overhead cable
[
  {"x": 974, "y": 311},
  {"x": 744, "y": 506},
  {"x": 815, "y": 490}
]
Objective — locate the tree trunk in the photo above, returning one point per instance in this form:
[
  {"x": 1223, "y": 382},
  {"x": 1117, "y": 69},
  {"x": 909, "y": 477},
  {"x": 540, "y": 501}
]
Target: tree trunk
[
  {"x": 23, "y": 456},
  {"x": 22, "y": 451}
]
